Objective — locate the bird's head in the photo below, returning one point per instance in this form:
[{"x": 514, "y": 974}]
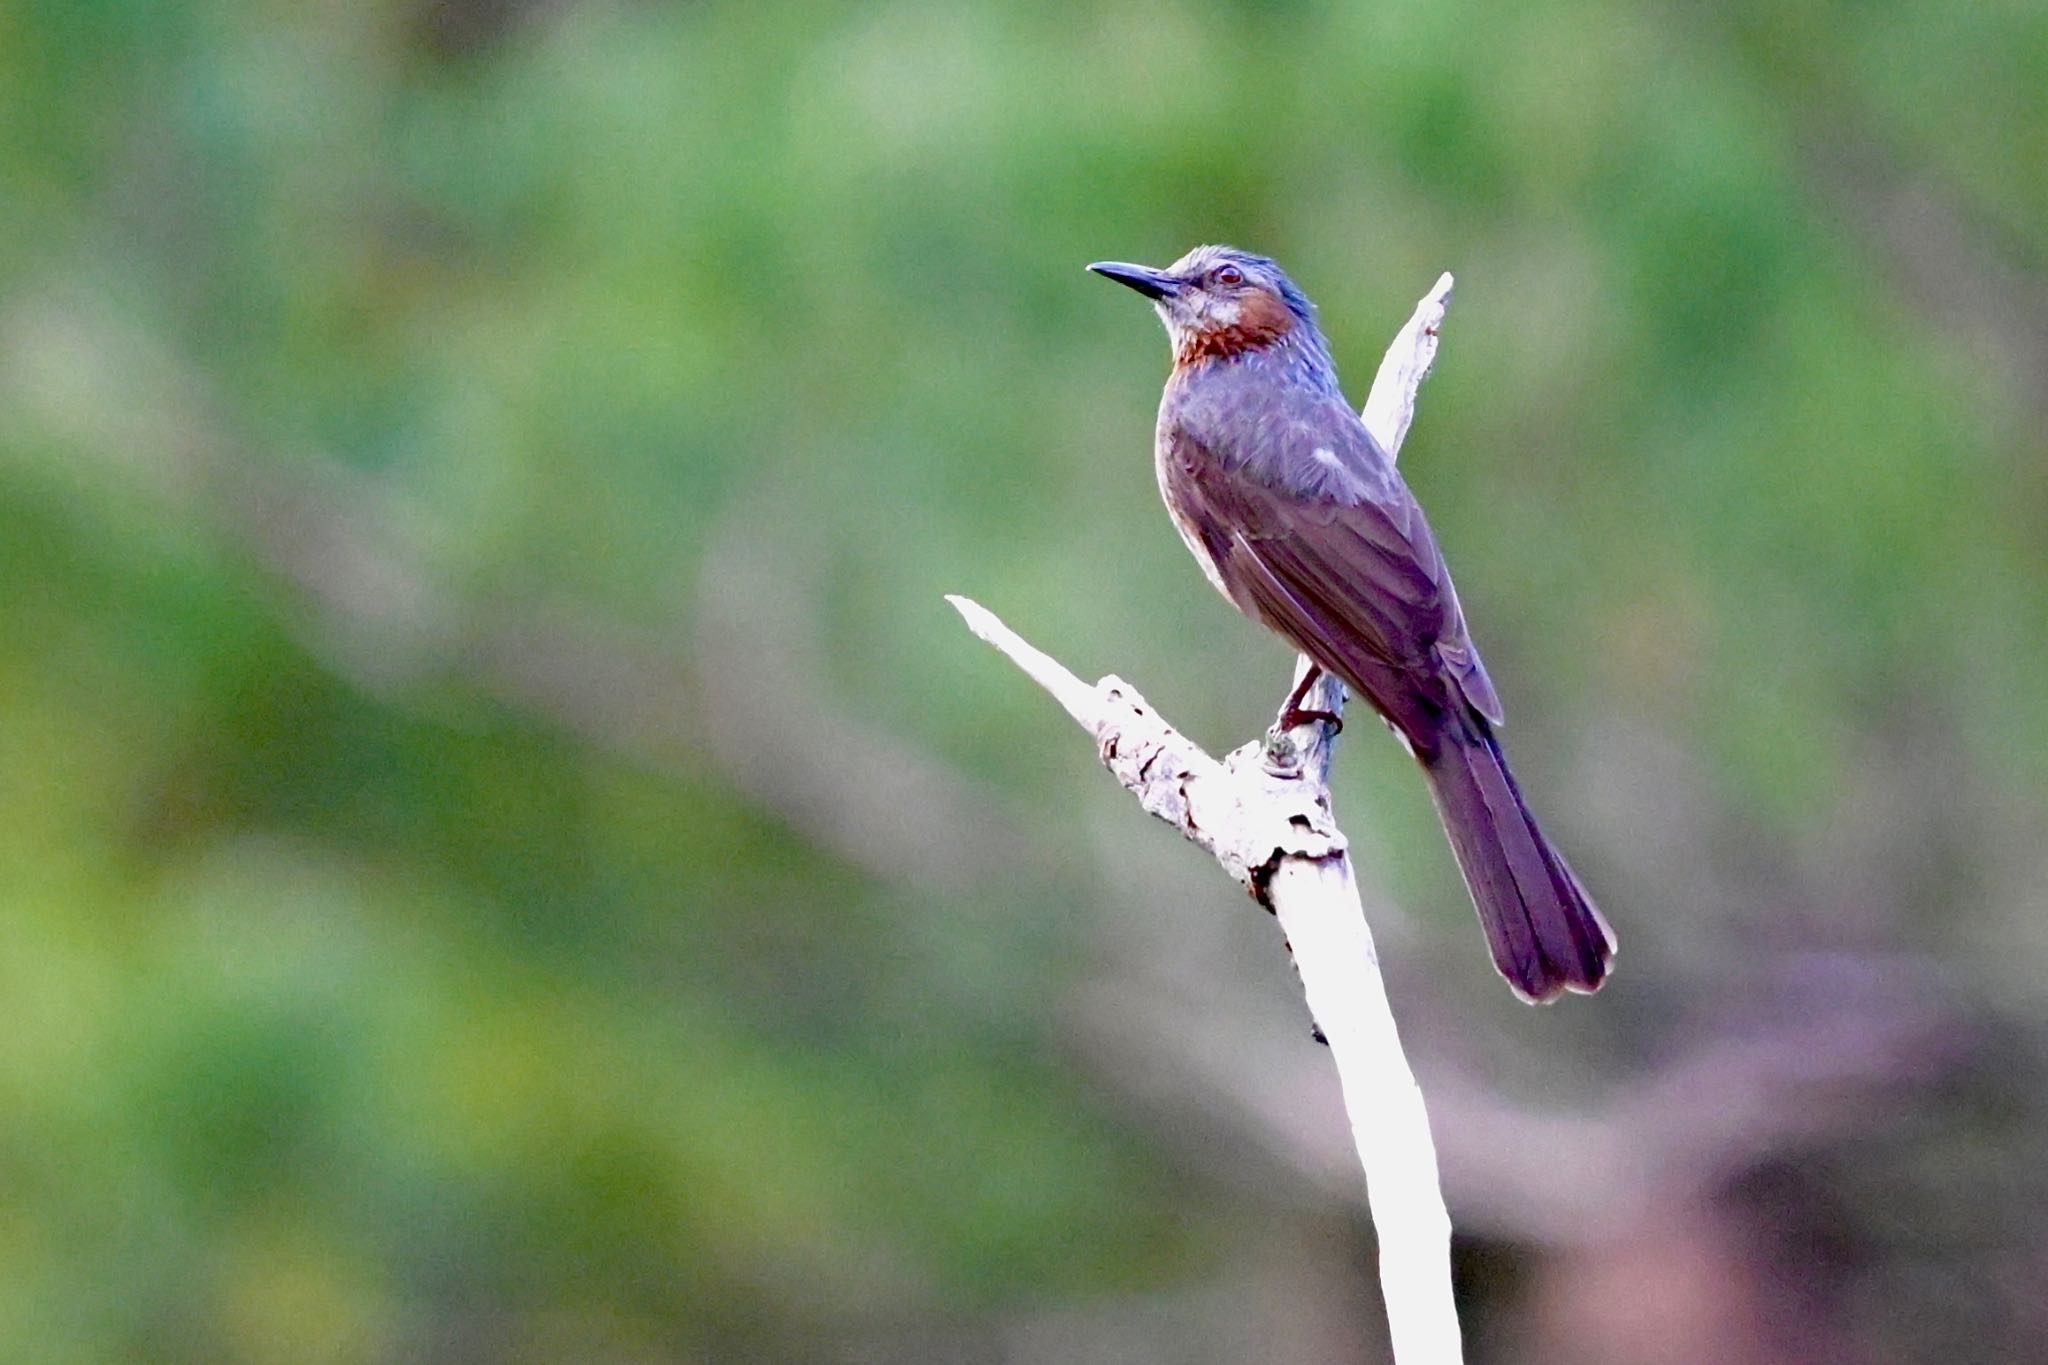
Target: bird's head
[{"x": 1218, "y": 302}]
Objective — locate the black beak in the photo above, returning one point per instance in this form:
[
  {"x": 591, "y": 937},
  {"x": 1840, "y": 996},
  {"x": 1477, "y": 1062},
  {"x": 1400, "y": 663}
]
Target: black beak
[{"x": 1153, "y": 284}]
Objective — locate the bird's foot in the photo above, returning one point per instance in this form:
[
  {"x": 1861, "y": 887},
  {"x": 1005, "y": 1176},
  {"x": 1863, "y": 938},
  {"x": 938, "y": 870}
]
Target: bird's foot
[{"x": 1294, "y": 716}]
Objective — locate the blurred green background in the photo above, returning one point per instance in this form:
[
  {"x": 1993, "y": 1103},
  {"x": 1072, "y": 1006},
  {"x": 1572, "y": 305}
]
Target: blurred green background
[{"x": 509, "y": 858}]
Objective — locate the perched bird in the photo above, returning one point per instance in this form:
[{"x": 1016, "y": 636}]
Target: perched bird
[{"x": 1300, "y": 519}]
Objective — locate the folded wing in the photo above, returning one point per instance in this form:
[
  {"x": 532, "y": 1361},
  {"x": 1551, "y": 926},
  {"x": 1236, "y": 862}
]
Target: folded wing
[{"x": 1334, "y": 553}]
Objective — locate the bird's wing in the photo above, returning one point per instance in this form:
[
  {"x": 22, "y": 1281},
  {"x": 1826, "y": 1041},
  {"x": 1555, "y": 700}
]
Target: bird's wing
[{"x": 1328, "y": 546}]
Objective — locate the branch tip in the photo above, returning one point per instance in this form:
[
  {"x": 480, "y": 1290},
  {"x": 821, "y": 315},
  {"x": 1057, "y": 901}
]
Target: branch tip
[
  {"x": 1077, "y": 698},
  {"x": 1391, "y": 406}
]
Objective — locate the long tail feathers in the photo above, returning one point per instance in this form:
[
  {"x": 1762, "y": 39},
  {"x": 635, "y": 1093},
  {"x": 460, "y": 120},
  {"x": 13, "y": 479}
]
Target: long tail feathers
[{"x": 1545, "y": 934}]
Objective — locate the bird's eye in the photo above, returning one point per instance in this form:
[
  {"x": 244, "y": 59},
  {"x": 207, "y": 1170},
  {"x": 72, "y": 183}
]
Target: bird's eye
[{"x": 1228, "y": 274}]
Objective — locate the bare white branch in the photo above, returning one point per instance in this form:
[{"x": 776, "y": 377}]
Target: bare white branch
[
  {"x": 1317, "y": 902},
  {"x": 1391, "y": 405},
  {"x": 1263, "y": 813},
  {"x": 1077, "y": 697}
]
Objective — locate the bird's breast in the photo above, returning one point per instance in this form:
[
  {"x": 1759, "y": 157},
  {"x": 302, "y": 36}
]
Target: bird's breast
[{"x": 1176, "y": 458}]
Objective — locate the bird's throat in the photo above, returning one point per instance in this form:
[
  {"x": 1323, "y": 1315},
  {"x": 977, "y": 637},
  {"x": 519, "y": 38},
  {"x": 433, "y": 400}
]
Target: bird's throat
[{"x": 1261, "y": 320}]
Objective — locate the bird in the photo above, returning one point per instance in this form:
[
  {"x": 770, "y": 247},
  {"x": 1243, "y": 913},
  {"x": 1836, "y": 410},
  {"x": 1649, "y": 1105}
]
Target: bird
[{"x": 1298, "y": 516}]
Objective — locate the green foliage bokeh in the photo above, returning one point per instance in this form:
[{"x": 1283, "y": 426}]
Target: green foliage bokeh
[{"x": 346, "y": 1011}]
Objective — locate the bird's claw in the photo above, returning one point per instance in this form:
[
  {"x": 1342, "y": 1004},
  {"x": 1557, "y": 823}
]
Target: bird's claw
[{"x": 1295, "y": 715}]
